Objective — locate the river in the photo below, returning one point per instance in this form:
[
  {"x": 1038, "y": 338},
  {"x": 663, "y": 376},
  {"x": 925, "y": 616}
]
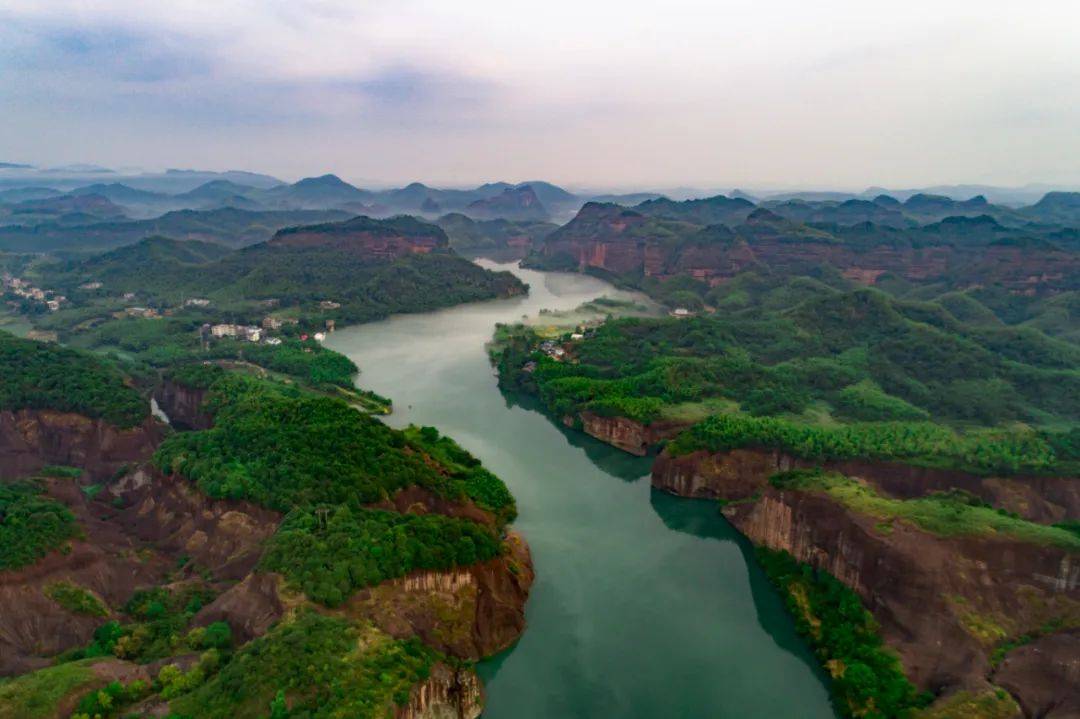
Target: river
[{"x": 645, "y": 605}]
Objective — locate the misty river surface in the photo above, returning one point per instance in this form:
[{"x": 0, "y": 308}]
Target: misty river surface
[{"x": 644, "y": 605}]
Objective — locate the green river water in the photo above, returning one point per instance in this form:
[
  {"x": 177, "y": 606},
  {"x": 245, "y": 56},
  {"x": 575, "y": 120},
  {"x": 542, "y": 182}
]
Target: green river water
[{"x": 645, "y": 605}]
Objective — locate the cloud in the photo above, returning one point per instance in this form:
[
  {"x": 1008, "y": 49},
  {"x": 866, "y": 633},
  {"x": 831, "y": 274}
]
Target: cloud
[
  {"x": 837, "y": 92},
  {"x": 117, "y": 54}
]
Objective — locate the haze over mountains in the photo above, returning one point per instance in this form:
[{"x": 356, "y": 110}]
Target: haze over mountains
[{"x": 87, "y": 208}]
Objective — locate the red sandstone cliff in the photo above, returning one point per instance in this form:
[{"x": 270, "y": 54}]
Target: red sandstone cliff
[
  {"x": 182, "y": 405},
  {"x": 469, "y": 612},
  {"x": 623, "y": 241},
  {"x": 32, "y": 438},
  {"x": 943, "y": 602},
  {"x": 741, "y": 473},
  {"x": 377, "y": 239}
]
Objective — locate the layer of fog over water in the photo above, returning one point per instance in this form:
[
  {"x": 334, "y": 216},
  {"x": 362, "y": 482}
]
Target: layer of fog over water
[{"x": 645, "y": 605}]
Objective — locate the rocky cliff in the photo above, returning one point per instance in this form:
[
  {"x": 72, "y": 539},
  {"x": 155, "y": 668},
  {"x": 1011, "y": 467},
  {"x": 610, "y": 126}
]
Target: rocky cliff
[
  {"x": 625, "y": 241},
  {"x": 469, "y": 613},
  {"x": 741, "y": 473},
  {"x": 104, "y": 562},
  {"x": 32, "y": 438},
  {"x": 182, "y": 405},
  {"x": 447, "y": 693},
  {"x": 626, "y": 434},
  {"x": 223, "y": 536},
  {"x": 377, "y": 239},
  {"x": 943, "y": 602}
]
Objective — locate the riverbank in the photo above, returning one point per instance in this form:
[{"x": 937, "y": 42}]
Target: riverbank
[{"x": 644, "y": 605}]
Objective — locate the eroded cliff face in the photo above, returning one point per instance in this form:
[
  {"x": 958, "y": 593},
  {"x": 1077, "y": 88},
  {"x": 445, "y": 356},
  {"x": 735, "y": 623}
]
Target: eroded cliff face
[
  {"x": 140, "y": 522},
  {"x": 626, "y": 434},
  {"x": 447, "y": 694},
  {"x": 943, "y": 602},
  {"x": 33, "y": 438},
  {"x": 469, "y": 612},
  {"x": 741, "y": 473},
  {"x": 105, "y": 562},
  {"x": 250, "y": 606},
  {"x": 223, "y": 536},
  {"x": 621, "y": 241},
  {"x": 1044, "y": 675},
  {"x": 377, "y": 243},
  {"x": 183, "y": 405}
]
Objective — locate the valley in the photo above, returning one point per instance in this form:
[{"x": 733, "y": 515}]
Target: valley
[{"x": 369, "y": 452}]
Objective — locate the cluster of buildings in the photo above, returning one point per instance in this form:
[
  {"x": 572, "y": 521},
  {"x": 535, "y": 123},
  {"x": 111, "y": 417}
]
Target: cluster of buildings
[
  {"x": 558, "y": 350},
  {"x": 22, "y": 288},
  {"x": 247, "y": 333},
  {"x": 553, "y": 350}
]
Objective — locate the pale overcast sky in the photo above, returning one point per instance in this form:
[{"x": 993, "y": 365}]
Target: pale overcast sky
[{"x": 811, "y": 93}]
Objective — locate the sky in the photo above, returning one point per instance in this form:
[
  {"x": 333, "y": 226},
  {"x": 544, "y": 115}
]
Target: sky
[{"x": 588, "y": 93}]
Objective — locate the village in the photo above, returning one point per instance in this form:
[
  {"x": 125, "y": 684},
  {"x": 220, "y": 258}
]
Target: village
[
  {"x": 20, "y": 291},
  {"x": 24, "y": 290}
]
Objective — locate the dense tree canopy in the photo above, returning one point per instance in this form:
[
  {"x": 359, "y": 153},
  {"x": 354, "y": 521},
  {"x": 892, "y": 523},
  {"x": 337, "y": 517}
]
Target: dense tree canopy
[{"x": 44, "y": 376}]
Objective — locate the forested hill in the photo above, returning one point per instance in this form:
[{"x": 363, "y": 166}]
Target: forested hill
[
  {"x": 924, "y": 240},
  {"x": 42, "y": 376},
  {"x": 826, "y": 357},
  {"x": 201, "y": 582},
  {"x": 229, "y": 225},
  {"x": 348, "y": 272}
]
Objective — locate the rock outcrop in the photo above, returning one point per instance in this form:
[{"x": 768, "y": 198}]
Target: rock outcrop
[
  {"x": 223, "y": 536},
  {"x": 1044, "y": 675},
  {"x": 104, "y": 562},
  {"x": 250, "y": 607},
  {"x": 468, "y": 612},
  {"x": 33, "y": 438},
  {"x": 183, "y": 405},
  {"x": 621, "y": 240},
  {"x": 626, "y": 434},
  {"x": 447, "y": 693},
  {"x": 741, "y": 473},
  {"x": 363, "y": 236},
  {"x": 943, "y": 602}
]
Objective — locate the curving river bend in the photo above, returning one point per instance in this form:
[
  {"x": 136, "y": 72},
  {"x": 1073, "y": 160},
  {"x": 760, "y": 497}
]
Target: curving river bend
[{"x": 645, "y": 605}]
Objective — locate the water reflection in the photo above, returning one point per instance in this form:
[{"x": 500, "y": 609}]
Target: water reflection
[
  {"x": 645, "y": 606},
  {"x": 702, "y": 518}
]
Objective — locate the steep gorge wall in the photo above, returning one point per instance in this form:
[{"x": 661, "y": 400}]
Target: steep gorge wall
[
  {"x": 32, "y": 438},
  {"x": 740, "y": 473},
  {"x": 468, "y": 612},
  {"x": 942, "y": 602},
  {"x": 626, "y": 434},
  {"x": 621, "y": 244},
  {"x": 447, "y": 693},
  {"x": 183, "y": 405}
]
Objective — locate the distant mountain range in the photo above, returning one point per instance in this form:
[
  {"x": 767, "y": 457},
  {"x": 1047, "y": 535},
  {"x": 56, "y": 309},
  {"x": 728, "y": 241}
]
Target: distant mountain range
[
  {"x": 925, "y": 238},
  {"x": 87, "y": 208}
]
